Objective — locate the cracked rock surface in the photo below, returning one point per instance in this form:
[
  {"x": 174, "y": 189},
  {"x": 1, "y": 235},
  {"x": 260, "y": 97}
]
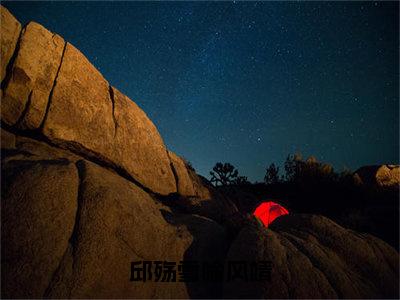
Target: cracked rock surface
[
  {"x": 70, "y": 228},
  {"x": 313, "y": 257}
]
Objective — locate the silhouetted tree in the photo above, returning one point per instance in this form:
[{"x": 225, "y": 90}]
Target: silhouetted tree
[
  {"x": 226, "y": 174},
  {"x": 292, "y": 167},
  {"x": 307, "y": 171},
  {"x": 272, "y": 174}
]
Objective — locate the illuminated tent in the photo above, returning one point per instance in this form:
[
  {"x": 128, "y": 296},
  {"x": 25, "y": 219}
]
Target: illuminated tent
[{"x": 267, "y": 212}]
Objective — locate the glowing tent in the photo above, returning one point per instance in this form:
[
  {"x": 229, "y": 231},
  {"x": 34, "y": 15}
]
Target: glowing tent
[{"x": 267, "y": 212}]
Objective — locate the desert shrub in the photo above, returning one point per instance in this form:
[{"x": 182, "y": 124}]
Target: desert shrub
[{"x": 272, "y": 174}]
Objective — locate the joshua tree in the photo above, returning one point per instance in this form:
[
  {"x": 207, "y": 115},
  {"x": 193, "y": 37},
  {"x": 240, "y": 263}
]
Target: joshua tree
[
  {"x": 226, "y": 174},
  {"x": 293, "y": 165}
]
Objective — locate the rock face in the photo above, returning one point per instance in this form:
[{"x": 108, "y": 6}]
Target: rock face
[
  {"x": 116, "y": 219},
  {"x": 184, "y": 184},
  {"x": 127, "y": 220},
  {"x": 53, "y": 88},
  {"x": 140, "y": 148},
  {"x": 313, "y": 257},
  {"x": 70, "y": 228},
  {"x": 382, "y": 176},
  {"x": 88, "y": 187},
  {"x": 46, "y": 209},
  {"x": 10, "y": 30},
  {"x": 88, "y": 115},
  {"x": 32, "y": 75},
  {"x": 82, "y": 171}
]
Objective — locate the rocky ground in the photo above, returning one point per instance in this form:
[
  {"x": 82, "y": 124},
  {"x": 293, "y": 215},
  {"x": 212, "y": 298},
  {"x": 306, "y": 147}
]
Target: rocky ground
[{"x": 88, "y": 186}]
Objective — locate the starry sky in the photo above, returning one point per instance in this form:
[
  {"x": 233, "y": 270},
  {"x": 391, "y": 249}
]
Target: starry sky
[{"x": 248, "y": 82}]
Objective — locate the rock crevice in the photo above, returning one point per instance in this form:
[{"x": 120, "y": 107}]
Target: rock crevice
[
  {"x": 52, "y": 88},
  {"x": 113, "y": 109},
  {"x": 32, "y": 72},
  {"x": 25, "y": 111},
  {"x": 10, "y": 37}
]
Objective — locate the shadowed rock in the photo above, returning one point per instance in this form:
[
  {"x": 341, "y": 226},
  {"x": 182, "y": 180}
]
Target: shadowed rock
[
  {"x": 7, "y": 140},
  {"x": 116, "y": 223},
  {"x": 382, "y": 176},
  {"x": 313, "y": 257},
  {"x": 70, "y": 228}
]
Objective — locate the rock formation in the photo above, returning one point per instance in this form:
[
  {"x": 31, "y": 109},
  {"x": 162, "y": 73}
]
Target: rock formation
[
  {"x": 88, "y": 186},
  {"x": 386, "y": 176},
  {"x": 312, "y": 257},
  {"x": 10, "y": 29},
  {"x": 54, "y": 90}
]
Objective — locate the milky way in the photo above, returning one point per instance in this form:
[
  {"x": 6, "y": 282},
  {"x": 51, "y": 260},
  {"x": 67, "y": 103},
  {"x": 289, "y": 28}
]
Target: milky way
[{"x": 248, "y": 82}]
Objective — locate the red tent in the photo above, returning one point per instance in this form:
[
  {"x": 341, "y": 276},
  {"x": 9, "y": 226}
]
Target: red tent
[{"x": 267, "y": 212}]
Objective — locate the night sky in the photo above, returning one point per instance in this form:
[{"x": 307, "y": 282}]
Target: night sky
[{"x": 248, "y": 82}]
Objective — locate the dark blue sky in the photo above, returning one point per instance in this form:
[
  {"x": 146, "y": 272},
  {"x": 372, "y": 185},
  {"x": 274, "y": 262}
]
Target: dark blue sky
[{"x": 248, "y": 82}]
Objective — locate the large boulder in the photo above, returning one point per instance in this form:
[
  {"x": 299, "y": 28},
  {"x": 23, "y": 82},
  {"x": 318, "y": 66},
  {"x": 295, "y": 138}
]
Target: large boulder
[
  {"x": 92, "y": 118},
  {"x": 71, "y": 228},
  {"x": 386, "y": 176},
  {"x": 10, "y": 30},
  {"x": 139, "y": 147},
  {"x": 184, "y": 182},
  {"x": 53, "y": 87},
  {"x": 117, "y": 223},
  {"x": 80, "y": 109},
  {"x": 201, "y": 186},
  {"x": 197, "y": 196},
  {"x": 38, "y": 208},
  {"x": 313, "y": 257},
  {"x": 54, "y": 90},
  {"x": 32, "y": 76}
]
